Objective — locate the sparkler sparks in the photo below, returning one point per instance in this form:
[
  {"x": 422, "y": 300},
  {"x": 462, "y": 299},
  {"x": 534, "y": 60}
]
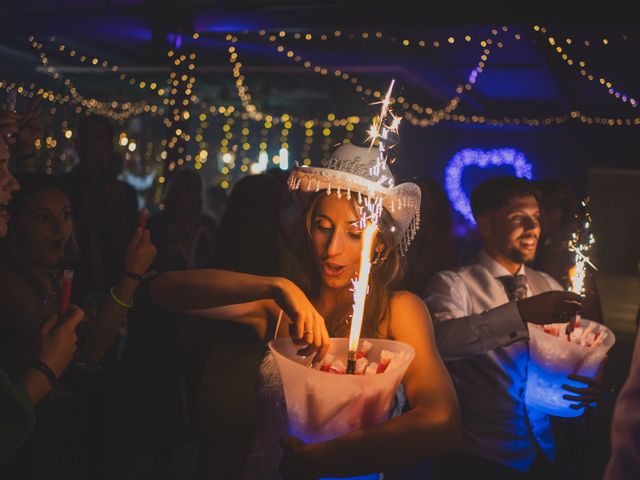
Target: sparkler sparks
[
  {"x": 369, "y": 215},
  {"x": 580, "y": 244}
]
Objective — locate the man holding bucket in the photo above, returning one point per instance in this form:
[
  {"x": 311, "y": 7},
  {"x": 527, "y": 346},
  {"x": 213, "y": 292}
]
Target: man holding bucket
[{"x": 480, "y": 316}]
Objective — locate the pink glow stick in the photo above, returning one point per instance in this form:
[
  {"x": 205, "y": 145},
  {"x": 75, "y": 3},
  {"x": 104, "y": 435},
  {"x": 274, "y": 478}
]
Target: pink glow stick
[
  {"x": 325, "y": 365},
  {"x": 385, "y": 359},
  {"x": 142, "y": 219},
  {"x": 65, "y": 293},
  {"x": 361, "y": 365},
  {"x": 364, "y": 349}
]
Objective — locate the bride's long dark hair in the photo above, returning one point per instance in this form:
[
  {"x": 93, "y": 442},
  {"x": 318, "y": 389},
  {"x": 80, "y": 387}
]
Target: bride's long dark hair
[{"x": 386, "y": 272}]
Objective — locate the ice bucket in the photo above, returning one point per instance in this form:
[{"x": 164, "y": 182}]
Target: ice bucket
[
  {"x": 552, "y": 359},
  {"x": 323, "y": 405}
]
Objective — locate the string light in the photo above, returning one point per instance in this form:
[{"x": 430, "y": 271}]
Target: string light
[
  {"x": 104, "y": 64},
  {"x": 366, "y": 36},
  {"x": 442, "y": 113},
  {"x": 436, "y": 115},
  {"x": 112, "y": 110},
  {"x": 581, "y": 66},
  {"x": 493, "y": 122}
]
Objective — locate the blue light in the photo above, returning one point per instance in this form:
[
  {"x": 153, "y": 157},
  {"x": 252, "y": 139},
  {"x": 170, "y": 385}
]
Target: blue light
[
  {"x": 175, "y": 39},
  {"x": 482, "y": 159}
]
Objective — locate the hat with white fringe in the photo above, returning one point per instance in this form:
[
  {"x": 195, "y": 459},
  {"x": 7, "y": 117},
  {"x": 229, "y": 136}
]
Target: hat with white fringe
[{"x": 357, "y": 171}]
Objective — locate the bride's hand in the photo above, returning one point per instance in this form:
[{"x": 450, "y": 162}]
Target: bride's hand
[{"x": 307, "y": 325}]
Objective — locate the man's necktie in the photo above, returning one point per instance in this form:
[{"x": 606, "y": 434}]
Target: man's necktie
[{"x": 516, "y": 286}]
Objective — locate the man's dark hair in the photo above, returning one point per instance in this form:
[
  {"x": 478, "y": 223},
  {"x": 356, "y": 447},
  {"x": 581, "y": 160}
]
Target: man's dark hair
[{"x": 496, "y": 192}]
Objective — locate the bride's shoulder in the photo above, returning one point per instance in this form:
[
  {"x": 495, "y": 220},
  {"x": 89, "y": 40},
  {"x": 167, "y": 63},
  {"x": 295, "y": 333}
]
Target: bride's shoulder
[
  {"x": 403, "y": 299},
  {"x": 404, "y": 304}
]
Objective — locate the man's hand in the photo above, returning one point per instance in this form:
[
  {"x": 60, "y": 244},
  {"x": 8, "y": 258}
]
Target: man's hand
[
  {"x": 594, "y": 391},
  {"x": 550, "y": 307}
]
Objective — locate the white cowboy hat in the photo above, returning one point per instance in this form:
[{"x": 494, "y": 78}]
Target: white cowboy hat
[{"x": 357, "y": 170}]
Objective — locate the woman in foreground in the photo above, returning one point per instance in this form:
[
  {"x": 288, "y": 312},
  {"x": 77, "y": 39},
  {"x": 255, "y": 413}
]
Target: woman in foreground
[{"x": 318, "y": 306}]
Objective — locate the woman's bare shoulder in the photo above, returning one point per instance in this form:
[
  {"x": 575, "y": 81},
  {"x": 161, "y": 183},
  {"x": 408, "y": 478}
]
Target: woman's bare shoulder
[
  {"x": 408, "y": 315},
  {"x": 403, "y": 300}
]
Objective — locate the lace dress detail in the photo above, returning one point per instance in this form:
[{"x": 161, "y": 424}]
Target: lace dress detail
[{"x": 266, "y": 453}]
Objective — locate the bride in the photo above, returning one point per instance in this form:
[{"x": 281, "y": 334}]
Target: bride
[{"x": 318, "y": 305}]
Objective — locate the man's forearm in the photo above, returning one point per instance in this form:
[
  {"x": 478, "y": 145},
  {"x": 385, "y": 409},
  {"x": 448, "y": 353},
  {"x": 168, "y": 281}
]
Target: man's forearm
[{"x": 464, "y": 337}]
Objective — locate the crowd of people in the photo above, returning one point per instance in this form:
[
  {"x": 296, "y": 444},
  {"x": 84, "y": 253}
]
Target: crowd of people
[{"x": 158, "y": 368}]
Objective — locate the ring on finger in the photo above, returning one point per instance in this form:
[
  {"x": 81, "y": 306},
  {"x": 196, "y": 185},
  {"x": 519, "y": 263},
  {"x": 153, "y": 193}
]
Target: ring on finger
[{"x": 308, "y": 331}]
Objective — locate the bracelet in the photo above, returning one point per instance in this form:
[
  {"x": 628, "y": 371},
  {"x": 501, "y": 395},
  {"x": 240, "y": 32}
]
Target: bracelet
[
  {"x": 46, "y": 371},
  {"x": 135, "y": 276},
  {"x": 118, "y": 301}
]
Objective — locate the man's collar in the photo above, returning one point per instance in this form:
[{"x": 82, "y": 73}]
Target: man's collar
[{"x": 495, "y": 269}]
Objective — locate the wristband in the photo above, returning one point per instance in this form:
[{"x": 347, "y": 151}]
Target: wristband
[
  {"x": 46, "y": 371},
  {"x": 118, "y": 301},
  {"x": 135, "y": 276}
]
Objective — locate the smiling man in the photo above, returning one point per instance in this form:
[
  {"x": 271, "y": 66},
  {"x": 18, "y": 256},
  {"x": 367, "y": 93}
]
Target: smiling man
[{"x": 480, "y": 314}]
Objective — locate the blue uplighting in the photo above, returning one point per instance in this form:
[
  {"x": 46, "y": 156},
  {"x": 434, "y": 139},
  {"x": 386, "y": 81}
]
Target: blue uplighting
[{"x": 471, "y": 157}]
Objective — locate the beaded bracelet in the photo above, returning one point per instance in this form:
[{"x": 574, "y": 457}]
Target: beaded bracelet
[
  {"x": 46, "y": 371},
  {"x": 118, "y": 301}
]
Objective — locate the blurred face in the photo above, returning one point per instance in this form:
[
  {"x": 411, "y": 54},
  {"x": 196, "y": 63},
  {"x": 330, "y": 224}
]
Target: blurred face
[
  {"x": 45, "y": 227},
  {"x": 511, "y": 232},
  {"x": 8, "y": 185},
  {"x": 336, "y": 240}
]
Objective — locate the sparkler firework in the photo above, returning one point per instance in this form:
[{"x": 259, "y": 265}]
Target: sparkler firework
[
  {"x": 370, "y": 210},
  {"x": 580, "y": 245}
]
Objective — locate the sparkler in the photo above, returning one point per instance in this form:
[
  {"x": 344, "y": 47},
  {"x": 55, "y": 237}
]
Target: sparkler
[
  {"x": 580, "y": 244},
  {"x": 369, "y": 216}
]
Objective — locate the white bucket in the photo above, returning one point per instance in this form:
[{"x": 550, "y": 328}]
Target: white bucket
[
  {"x": 322, "y": 405},
  {"x": 552, "y": 359}
]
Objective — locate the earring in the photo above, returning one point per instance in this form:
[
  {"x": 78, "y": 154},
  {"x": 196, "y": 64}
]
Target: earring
[{"x": 379, "y": 258}]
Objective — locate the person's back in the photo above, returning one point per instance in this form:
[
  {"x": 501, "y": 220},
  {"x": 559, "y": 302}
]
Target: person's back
[
  {"x": 249, "y": 242},
  {"x": 105, "y": 213}
]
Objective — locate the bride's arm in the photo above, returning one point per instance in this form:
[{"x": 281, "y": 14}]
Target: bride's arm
[
  {"x": 241, "y": 297},
  {"x": 208, "y": 288},
  {"x": 432, "y": 426}
]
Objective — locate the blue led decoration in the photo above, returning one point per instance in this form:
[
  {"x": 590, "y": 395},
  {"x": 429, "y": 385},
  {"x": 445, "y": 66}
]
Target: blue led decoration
[{"x": 482, "y": 159}]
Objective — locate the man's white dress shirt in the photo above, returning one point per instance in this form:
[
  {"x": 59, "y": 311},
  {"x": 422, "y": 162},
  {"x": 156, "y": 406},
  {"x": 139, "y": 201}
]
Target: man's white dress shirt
[{"x": 484, "y": 343}]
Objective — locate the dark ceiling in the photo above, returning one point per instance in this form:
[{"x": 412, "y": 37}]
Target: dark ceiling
[{"x": 523, "y": 76}]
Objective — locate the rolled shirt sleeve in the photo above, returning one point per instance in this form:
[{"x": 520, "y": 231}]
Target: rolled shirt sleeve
[{"x": 460, "y": 334}]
